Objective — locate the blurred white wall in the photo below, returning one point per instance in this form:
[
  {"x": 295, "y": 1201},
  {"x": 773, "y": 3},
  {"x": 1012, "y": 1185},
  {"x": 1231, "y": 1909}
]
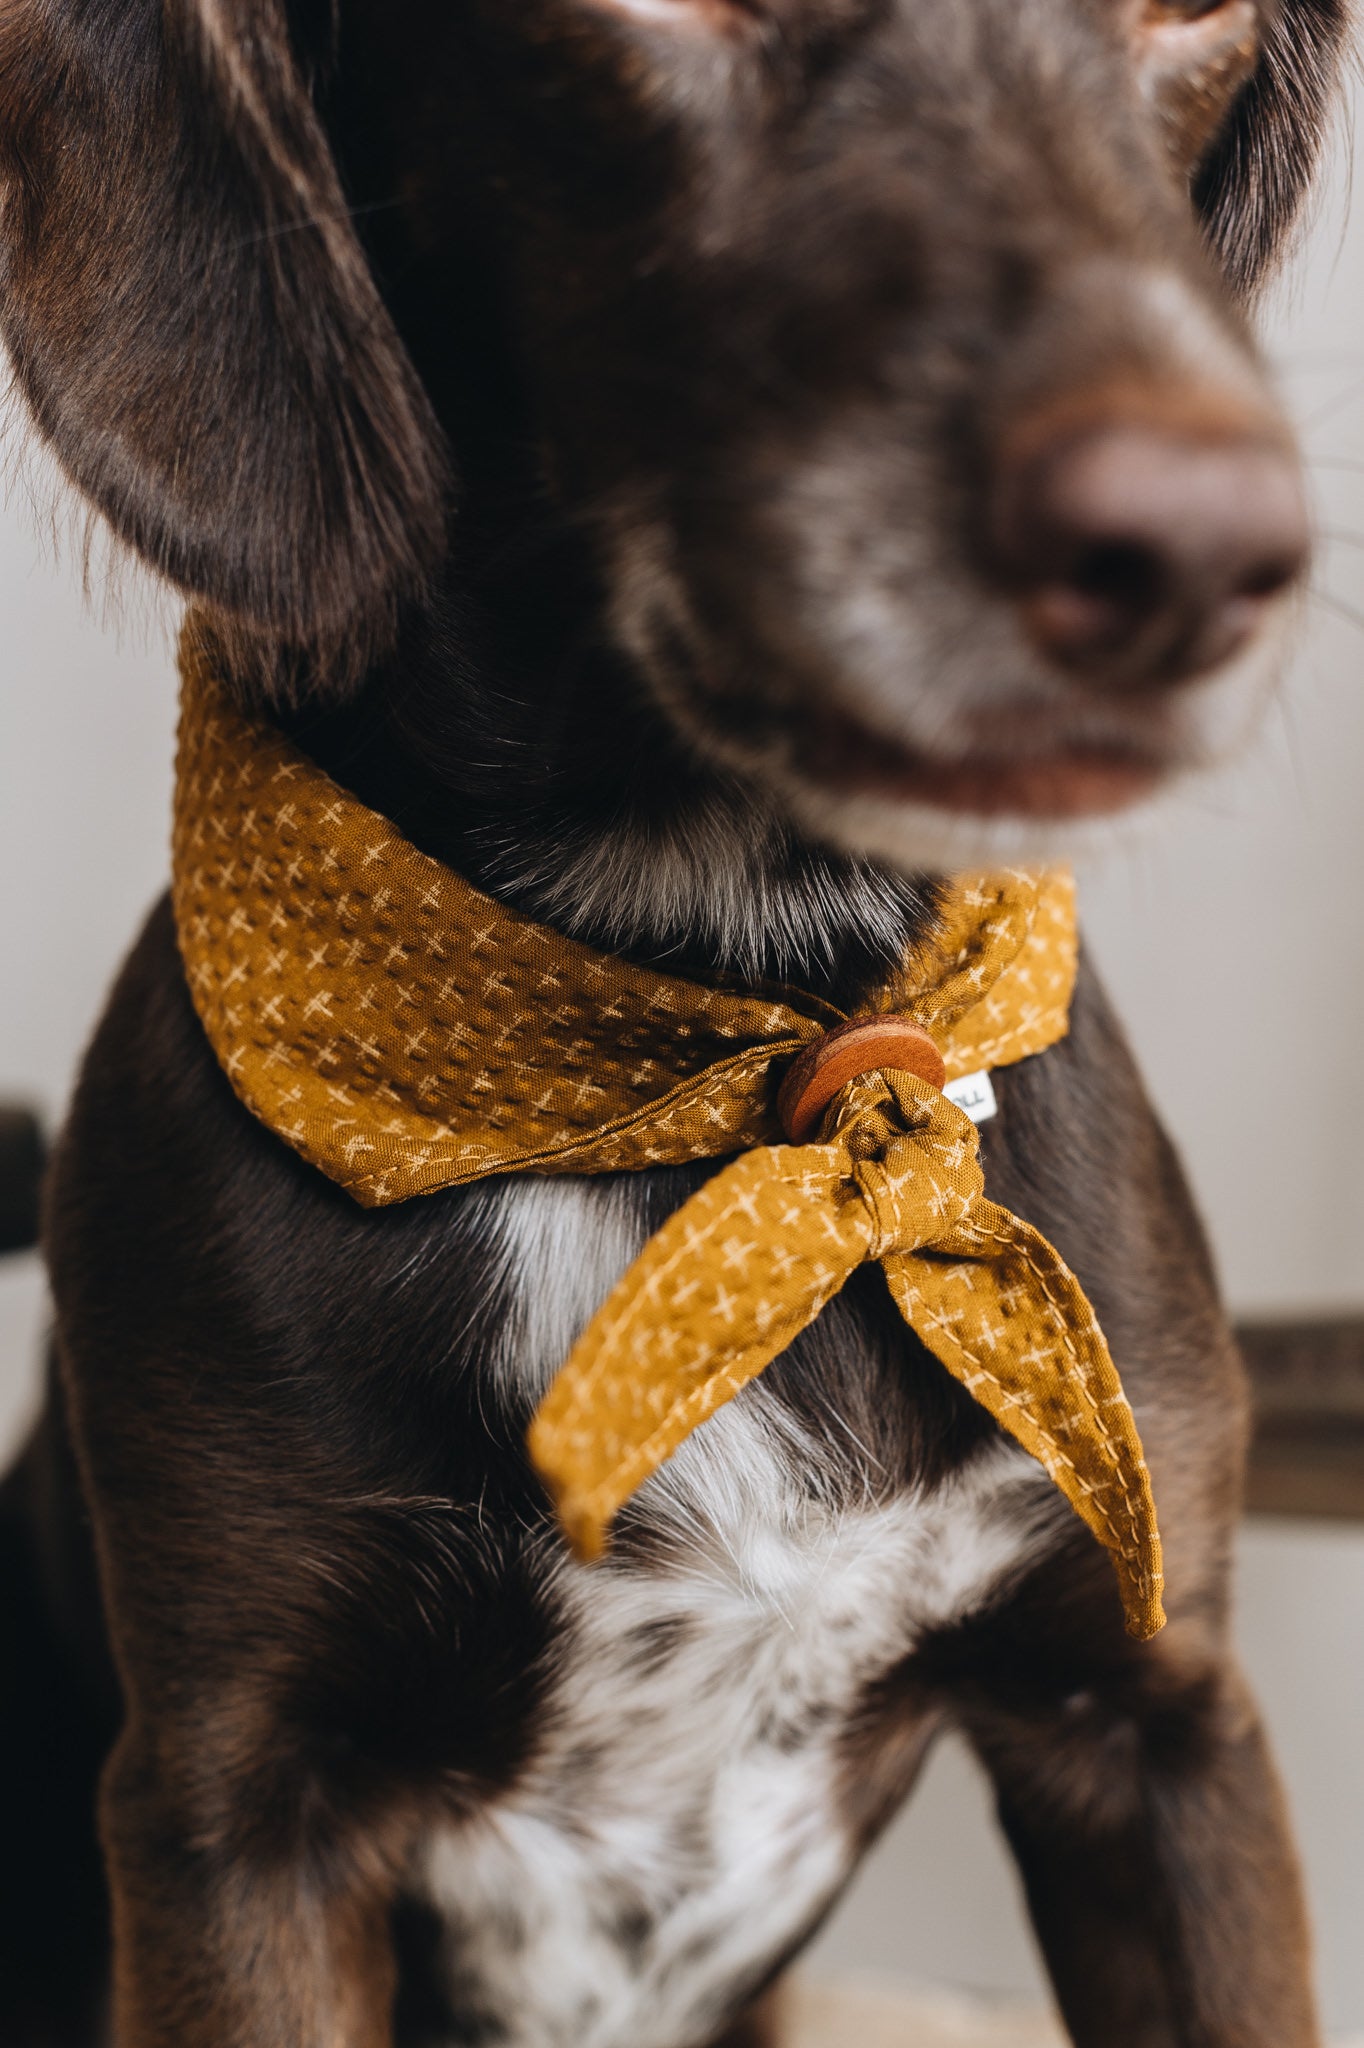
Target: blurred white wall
[{"x": 1234, "y": 942}]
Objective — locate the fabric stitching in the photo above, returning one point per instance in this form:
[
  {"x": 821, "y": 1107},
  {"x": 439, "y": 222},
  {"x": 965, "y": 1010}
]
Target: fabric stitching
[{"x": 396, "y": 1028}]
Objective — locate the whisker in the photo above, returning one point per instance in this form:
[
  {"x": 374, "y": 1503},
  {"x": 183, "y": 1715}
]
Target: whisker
[
  {"x": 1316, "y": 358},
  {"x": 1287, "y": 713},
  {"x": 1338, "y": 605},
  {"x": 1353, "y": 390},
  {"x": 314, "y": 220}
]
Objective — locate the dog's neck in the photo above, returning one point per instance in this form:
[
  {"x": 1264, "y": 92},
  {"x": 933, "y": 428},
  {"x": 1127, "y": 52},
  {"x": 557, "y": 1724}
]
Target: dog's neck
[{"x": 553, "y": 781}]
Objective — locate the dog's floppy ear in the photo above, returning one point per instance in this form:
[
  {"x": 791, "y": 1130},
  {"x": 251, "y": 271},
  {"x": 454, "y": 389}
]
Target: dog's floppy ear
[
  {"x": 1252, "y": 187},
  {"x": 193, "y": 322}
]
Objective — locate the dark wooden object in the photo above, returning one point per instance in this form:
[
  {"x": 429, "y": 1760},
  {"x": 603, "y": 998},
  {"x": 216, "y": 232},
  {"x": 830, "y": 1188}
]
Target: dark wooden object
[
  {"x": 861, "y": 1047},
  {"x": 21, "y": 1173},
  {"x": 1308, "y": 1453}
]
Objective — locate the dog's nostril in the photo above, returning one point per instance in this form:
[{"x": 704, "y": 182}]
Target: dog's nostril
[
  {"x": 1120, "y": 574},
  {"x": 1138, "y": 555},
  {"x": 1094, "y": 608},
  {"x": 1118, "y": 585},
  {"x": 1270, "y": 579}
]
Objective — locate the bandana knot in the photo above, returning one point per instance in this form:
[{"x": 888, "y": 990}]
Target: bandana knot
[
  {"x": 913, "y": 1158},
  {"x": 756, "y": 1254}
]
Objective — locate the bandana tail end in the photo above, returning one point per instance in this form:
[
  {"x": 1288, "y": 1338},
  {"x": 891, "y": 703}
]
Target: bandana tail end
[
  {"x": 723, "y": 1288},
  {"x": 1002, "y": 1326}
]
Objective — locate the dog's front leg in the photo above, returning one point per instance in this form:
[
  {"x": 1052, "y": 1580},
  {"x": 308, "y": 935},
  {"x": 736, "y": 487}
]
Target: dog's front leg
[
  {"x": 231, "y": 1931},
  {"x": 1149, "y": 1827}
]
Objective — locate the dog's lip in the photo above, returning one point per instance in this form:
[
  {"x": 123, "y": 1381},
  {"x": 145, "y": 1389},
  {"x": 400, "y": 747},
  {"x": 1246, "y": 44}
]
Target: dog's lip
[{"x": 1068, "y": 779}]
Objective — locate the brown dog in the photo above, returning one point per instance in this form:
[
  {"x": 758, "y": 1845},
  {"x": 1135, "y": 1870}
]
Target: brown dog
[{"x": 699, "y": 466}]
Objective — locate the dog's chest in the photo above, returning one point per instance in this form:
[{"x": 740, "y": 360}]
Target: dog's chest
[{"x": 688, "y": 1809}]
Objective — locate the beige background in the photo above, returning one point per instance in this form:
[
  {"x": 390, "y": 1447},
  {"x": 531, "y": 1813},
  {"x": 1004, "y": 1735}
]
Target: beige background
[{"x": 1233, "y": 939}]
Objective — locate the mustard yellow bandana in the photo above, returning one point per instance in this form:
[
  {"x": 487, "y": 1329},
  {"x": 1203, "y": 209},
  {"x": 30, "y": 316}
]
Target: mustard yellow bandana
[{"x": 405, "y": 1032}]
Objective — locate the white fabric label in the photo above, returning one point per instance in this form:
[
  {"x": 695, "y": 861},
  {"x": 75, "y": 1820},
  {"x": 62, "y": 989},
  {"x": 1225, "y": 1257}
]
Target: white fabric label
[{"x": 974, "y": 1094}]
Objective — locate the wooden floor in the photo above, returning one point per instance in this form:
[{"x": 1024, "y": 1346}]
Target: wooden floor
[
  {"x": 818, "y": 2015},
  {"x": 836, "y": 2015}
]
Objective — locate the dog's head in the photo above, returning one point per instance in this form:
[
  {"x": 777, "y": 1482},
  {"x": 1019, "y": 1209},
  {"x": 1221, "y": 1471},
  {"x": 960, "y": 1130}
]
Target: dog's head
[{"x": 887, "y": 358}]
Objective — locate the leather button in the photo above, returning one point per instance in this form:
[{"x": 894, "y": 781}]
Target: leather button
[{"x": 864, "y": 1046}]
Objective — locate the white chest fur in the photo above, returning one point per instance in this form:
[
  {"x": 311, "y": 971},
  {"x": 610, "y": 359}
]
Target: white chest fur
[{"x": 681, "y": 1821}]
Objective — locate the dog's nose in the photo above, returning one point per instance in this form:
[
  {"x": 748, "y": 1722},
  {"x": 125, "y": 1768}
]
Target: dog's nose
[{"x": 1142, "y": 555}]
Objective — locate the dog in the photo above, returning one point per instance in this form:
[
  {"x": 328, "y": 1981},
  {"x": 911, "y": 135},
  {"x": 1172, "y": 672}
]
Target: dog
[{"x": 702, "y": 468}]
